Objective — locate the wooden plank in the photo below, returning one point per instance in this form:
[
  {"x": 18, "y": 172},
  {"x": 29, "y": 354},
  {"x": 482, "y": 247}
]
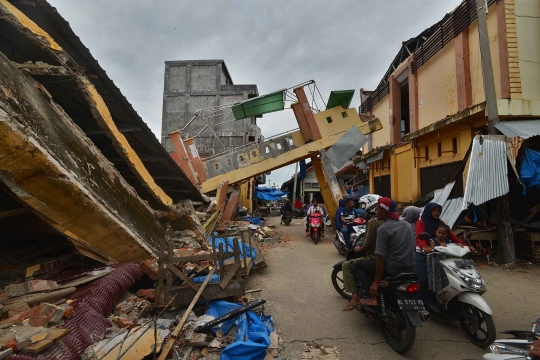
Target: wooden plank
[
  {"x": 168, "y": 345},
  {"x": 15, "y": 212},
  {"x": 184, "y": 293},
  {"x": 53, "y": 335},
  {"x": 225, "y": 281},
  {"x": 182, "y": 276},
  {"x": 228, "y": 263},
  {"x": 37, "y": 298}
]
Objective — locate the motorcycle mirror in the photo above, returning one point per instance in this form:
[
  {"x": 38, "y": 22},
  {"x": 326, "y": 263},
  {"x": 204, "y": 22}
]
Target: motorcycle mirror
[{"x": 424, "y": 236}]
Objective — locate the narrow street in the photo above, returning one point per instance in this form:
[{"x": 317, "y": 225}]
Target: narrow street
[{"x": 306, "y": 307}]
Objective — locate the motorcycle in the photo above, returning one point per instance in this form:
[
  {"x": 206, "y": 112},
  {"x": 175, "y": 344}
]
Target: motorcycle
[
  {"x": 298, "y": 213},
  {"x": 357, "y": 230},
  {"x": 315, "y": 226},
  {"x": 461, "y": 300},
  {"x": 516, "y": 347},
  {"x": 287, "y": 218}
]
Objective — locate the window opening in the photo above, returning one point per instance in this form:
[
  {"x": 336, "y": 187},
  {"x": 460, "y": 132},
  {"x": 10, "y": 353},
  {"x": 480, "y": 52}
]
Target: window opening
[
  {"x": 404, "y": 107},
  {"x": 278, "y": 146},
  {"x": 267, "y": 150},
  {"x": 229, "y": 162},
  {"x": 439, "y": 149},
  {"x": 427, "y": 153},
  {"x": 344, "y": 114},
  {"x": 329, "y": 119},
  {"x": 454, "y": 145},
  {"x": 216, "y": 166}
]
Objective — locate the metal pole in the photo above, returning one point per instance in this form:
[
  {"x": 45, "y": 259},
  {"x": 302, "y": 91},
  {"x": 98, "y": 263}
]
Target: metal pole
[
  {"x": 295, "y": 182},
  {"x": 504, "y": 229}
]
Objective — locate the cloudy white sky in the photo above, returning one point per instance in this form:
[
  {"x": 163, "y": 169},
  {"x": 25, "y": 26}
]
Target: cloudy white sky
[{"x": 274, "y": 44}]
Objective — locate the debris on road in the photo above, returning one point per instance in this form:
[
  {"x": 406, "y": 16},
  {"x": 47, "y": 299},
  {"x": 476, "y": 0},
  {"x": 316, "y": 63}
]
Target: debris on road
[{"x": 318, "y": 351}]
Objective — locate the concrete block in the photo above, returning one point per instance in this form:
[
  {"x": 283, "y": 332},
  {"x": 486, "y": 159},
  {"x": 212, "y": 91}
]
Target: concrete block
[
  {"x": 13, "y": 290},
  {"x": 40, "y": 285},
  {"x": 58, "y": 316},
  {"x": 5, "y": 353},
  {"x": 124, "y": 322}
]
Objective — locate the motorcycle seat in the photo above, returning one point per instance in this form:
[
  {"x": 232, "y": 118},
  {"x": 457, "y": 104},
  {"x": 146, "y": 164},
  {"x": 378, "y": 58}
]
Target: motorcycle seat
[{"x": 403, "y": 277}]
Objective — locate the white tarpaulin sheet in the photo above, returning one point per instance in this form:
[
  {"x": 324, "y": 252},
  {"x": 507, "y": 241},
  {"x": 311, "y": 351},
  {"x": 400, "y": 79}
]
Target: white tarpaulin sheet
[{"x": 488, "y": 173}]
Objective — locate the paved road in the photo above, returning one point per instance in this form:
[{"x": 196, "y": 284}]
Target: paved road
[{"x": 306, "y": 307}]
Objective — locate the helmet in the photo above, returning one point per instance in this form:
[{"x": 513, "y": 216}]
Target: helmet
[{"x": 368, "y": 202}]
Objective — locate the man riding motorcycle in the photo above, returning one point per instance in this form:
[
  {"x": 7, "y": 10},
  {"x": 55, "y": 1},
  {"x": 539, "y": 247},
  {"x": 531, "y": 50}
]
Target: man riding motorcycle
[
  {"x": 349, "y": 279},
  {"x": 315, "y": 207},
  {"x": 345, "y": 214},
  {"x": 395, "y": 251},
  {"x": 287, "y": 208}
]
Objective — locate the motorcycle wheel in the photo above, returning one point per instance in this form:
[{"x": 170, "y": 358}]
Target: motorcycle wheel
[
  {"x": 316, "y": 237},
  {"x": 400, "y": 339},
  {"x": 478, "y": 326},
  {"x": 339, "y": 247},
  {"x": 339, "y": 284}
]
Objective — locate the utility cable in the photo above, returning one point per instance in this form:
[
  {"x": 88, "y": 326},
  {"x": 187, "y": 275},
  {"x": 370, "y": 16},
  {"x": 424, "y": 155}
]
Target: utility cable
[
  {"x": 506, "y": 54},
  {"x": 521, "y": 16}
]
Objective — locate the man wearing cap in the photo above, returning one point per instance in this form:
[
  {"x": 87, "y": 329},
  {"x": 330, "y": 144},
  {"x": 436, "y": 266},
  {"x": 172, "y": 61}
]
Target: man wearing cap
[{"x": 395, "y": 251}]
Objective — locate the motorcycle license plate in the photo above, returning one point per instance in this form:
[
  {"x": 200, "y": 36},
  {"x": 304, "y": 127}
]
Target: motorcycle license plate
[{"x": 407, "y": 302}]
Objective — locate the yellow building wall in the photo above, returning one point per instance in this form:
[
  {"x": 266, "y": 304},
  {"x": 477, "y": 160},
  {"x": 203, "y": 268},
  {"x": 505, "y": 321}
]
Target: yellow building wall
[
  {"x": 462, "y": 133},
  {"x": 381, "y": 111},
  {"x": 437, "y": 87},
  {"x": 405, "y": 175},
  {"x": 528, "y": 34},
  {"x": 477, "y": 84}
]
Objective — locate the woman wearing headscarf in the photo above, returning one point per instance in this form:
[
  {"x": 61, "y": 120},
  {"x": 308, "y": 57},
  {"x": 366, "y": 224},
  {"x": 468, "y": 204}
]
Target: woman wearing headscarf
[
  {"x": 411, "y": 214},
  {"x": 428, "y": 223}
]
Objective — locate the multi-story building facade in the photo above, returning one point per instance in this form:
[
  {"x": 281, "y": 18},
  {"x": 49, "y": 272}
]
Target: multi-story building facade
[
  {"x": 431, "y": 100},
  {"x": 202, "y": 84}
]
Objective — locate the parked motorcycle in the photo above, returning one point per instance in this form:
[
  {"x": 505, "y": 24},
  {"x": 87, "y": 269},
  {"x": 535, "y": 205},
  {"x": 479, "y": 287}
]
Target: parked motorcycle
[
  {"x": 461, "y": 300},
  {"x": 315, "y": 226},
  {"x": 357, "y": 230},
  {"x": 287, "y": 218},
  {"x": 516, "y": 347}
]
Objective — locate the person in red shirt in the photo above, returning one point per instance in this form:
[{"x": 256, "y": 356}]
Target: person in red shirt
[{"x": 298, "y": 204}]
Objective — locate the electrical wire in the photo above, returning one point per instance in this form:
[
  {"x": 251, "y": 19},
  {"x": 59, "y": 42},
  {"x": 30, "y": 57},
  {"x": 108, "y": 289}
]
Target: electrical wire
[
  {"x": 506, "y": 54},
  {"x": 521, "y": 16}
]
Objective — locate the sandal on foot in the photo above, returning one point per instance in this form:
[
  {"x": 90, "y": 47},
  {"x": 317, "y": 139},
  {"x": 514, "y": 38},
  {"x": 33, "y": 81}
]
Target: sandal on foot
[
  {"x": 350, "y": 307},
  {"x": 369, "y": 302}
]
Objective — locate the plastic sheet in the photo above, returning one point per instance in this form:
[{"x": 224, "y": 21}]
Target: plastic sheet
[
  {"x": 254, "y": 220},
  {"x": 269, "y": 194},
  {"x": 530, "y": 169},
  {"x": 228, "y": 246},
  {"x": 252, "y": 333}
]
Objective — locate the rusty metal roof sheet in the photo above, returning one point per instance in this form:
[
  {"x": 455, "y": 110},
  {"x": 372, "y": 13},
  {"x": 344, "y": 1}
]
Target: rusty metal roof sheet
[
  {"x": 488, "y": 172},
  {"x": 522, "y": 128}
]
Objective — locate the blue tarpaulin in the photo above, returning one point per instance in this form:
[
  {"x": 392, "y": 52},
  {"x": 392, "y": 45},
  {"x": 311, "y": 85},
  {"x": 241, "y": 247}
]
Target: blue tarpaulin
[
  {"x": 265, "y": 193},
  {"x": 228, "y": 247},
  {"x": 252, "y": 332},
  {"x": 530, "y": 168},
  {"x": 254, "y": 220}
]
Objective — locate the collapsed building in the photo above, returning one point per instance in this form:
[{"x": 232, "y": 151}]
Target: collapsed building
[{"x": 79, "y": 168}]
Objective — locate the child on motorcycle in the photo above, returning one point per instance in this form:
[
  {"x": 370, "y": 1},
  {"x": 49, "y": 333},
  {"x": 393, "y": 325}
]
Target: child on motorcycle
[{"x": 442, "y": 236}]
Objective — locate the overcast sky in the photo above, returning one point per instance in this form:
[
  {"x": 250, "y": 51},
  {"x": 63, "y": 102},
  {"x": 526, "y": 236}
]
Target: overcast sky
[{"x": 274, "y": 44}]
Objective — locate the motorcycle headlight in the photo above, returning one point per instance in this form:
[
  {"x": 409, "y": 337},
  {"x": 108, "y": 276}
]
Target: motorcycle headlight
[
  {"x": 475, "y": 284},
  {"x": 507, "y": 349}
]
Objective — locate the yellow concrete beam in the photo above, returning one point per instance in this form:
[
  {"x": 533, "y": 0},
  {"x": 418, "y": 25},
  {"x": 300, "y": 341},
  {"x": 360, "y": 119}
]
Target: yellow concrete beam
[
  {"x": 257, "y": 164},
  {"x": 98, "y": 107}
]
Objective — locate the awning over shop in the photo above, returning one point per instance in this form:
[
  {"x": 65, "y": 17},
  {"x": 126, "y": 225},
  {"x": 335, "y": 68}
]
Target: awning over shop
[
  {"x": 259, "y": 105},
  {"x": 375, "y": 157},
  {"x": 522, "y": 128}
]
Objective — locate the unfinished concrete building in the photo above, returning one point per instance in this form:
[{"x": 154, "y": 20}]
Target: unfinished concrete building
[
  {"x": 201, "y": 84},
  {"x": 79, "y": 169}
]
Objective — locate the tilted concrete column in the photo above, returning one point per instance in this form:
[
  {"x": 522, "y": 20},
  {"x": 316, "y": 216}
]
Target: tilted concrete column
[
  {"x": 195, "y": 159},
  {"x": 463, "y": 70},
  {"x": 302, "y": 122},
  {"x": 328, "y": 183},
  {"x": 181, "y": 152},
  {"x": 395, "y": 111},
  {"x": 308, "y": 114}
]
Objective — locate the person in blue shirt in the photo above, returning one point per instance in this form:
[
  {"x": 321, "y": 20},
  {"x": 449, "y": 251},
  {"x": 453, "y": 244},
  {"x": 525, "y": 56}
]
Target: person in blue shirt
[{"x": 345, "y": 216}]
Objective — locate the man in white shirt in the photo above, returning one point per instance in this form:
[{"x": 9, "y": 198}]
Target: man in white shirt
[{"x": 315, "y": 207}]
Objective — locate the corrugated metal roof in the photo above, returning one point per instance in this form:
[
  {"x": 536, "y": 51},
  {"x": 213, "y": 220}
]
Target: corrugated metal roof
[
  {"x": 375, "y": 157},
  {"x": 441, "y": 195},
  {"x": 488, "y": 173},
  {"x": 451, "y": 210},
  {"x": 522, "y": 128}
]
